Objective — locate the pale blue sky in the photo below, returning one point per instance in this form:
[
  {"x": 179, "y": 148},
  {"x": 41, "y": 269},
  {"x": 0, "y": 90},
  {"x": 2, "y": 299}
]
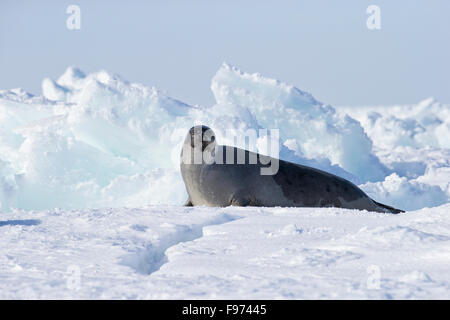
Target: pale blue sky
[{"x": 323, "y": 47}]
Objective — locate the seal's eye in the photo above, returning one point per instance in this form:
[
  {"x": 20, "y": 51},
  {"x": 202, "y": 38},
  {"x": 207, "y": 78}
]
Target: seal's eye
[{"x": 213, "y": 138}]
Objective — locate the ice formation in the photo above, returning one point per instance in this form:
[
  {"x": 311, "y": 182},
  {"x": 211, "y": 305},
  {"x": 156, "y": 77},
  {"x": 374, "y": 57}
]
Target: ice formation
[
  {"x": 426, "y": 124},
  {"x": 97, "y": 140}
]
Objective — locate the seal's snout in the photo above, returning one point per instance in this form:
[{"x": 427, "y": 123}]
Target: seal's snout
[{"x": 201, "y": 136}]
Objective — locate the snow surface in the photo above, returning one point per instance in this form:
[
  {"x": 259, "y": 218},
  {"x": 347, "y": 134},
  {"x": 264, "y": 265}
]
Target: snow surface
[
  {"x": 74, "y": 161},
  {"x": 173, "y": 252}
]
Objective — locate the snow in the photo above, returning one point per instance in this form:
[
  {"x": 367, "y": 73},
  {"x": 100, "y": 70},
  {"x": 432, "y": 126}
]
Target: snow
[
  {"x": 91, "y": 194},
  {"x": 173, "y": 252}
]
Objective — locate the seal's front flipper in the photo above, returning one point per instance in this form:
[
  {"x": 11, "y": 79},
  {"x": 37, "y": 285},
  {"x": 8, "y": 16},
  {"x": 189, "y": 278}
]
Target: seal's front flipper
[
  {"x": 243, "y": 199},
  {"x": 188, "y": 203},
  {"x": 239, "y": 202}
]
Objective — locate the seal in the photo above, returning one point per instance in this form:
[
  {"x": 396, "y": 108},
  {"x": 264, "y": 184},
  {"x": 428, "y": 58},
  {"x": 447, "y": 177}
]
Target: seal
[{"x": 220, "y": 176}]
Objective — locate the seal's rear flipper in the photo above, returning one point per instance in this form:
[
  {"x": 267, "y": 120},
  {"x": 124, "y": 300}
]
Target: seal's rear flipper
[{"x": 391, "y": 209}]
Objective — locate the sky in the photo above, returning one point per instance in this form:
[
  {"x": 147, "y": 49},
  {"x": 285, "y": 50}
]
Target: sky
[{"x": 323, "y": 46}]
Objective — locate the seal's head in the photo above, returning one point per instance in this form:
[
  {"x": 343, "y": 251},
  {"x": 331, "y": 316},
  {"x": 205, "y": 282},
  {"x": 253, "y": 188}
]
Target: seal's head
[
  {"x": 200, "y": 137},
  {"x": 200, "y": 142}
]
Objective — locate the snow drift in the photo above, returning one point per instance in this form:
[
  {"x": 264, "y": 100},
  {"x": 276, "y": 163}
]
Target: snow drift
[
  {"x": 174, "y": 252},
  {"x": 97, "y": 140}
]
